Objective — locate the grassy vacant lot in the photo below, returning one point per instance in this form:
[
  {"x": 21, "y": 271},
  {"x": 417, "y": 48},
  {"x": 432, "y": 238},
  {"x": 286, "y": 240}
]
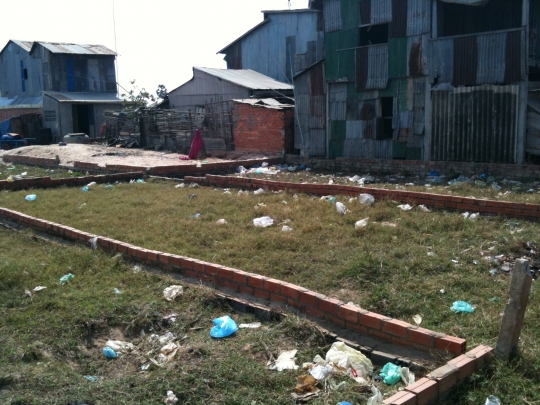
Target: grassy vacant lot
[
  {"x": 384, "y": 269},
  {"x": 50, "y": 341},
  {"x": 7, "y": 170}
]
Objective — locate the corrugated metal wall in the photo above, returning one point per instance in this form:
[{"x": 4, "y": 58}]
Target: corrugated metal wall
[
  {"x": 475, "y": 124},
  {"x": 492, "y": 58},
  {"x": 310, "y": 110},
  {"x": 332, "y": 15},
  {"x": 11, "y": 82}
]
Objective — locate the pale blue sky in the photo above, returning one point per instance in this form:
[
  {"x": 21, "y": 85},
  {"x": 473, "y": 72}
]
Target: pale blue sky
[{"x": 158, "y": 41}]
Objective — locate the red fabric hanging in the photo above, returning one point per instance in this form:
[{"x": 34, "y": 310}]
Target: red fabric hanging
[{"x": 196, "y": 145}]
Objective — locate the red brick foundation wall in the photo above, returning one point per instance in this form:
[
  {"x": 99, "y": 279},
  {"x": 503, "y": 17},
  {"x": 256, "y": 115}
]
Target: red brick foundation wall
[
  {"x": 7, "y": 112},
  {"x": 262, "y": 130}
]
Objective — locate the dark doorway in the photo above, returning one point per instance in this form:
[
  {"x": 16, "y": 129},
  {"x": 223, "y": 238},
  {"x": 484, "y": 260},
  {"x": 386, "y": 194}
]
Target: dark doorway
[
  {"x": 82, "y": 118},
  {"x": 373, "y": 35}
]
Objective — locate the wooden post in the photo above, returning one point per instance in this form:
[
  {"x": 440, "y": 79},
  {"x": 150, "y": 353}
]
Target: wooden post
[{"x": 514, "y": 312}]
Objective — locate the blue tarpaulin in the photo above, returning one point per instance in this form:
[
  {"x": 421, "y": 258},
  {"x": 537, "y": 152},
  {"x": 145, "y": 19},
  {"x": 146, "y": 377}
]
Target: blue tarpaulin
[{"x": 5, "y": 127}]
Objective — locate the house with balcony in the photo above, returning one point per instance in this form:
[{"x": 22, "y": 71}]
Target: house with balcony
[{"x": 423, "y": 80}]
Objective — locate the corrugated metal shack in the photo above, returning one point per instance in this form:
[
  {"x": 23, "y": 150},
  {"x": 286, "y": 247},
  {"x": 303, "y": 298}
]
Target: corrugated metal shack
[
  {"x": 424, "y": 79},
  {"x": 285, "y": 43}
]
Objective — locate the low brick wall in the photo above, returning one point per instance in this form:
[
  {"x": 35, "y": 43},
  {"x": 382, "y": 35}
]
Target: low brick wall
[
  {"x": 437, "y": 201},
  {"x": 9, "y": 112},
  {"x": 30, "y": 161},
  {"x": 309, "y": 302},
  {"x": 47, "y": 182},
  {"x": 418, "y": 167}
]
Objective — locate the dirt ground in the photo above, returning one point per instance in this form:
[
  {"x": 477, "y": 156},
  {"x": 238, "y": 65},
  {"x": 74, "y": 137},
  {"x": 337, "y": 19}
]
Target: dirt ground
[{"x": 102, "y": 155}]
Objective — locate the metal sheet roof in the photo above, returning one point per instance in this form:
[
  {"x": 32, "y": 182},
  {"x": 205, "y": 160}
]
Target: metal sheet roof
[
  {"x": 26, "y": 45},
  {"x": 34, "y": 101},
  {"x": 264, "y": 102},
  {"x": 76, "y": 49},
  {"x": 298, "y": 10},
  {"x": 68, "y": 97},
  {"x": 246, "y": 78}
]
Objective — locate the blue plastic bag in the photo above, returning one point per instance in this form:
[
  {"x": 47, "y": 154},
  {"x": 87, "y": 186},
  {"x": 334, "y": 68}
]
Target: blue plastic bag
[
  {"x": 390, "y": 374},
  {"x": 223, "y": 327},
  {"x": 109, "y": 353},
  {"x": 84, "y": 189},
  {"x": 30, "y": 197},
  {"x": 462, "y": 306}
]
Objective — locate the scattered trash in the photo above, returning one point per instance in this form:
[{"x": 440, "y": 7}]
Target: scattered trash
[
  {"x": 390, "y": 374},
  {"x": 93, "y": 243},
  {"x": 227, "y": 192},
  {"x": 377, "y": 397},
  {"x": 320, "y": 372},
  {"x": 494, "y": 299},
  {"x": 181, "y": 185},
  {"x": 221, "y": 222},
  {"x": 492, "y": 400},
  {"x": 346, "y": 357},
  {"x": 93, "y": 183},
  {"x": 241, "y": 170},
  {"x": 506, "y": 267},
  {"x": 295, "y": 196},
  {"x": 432, "y": 254},
  {"x": 286, "y": 229},
  {"x": 496, "y": 187},
  {"x": 223, "y": 327},
  {"x": 407, "y": 377},
  {"x": 166, "y": 338},
  {"x": 196, "y": 215},
  {"x": 404, "y": 207},
  {"x": 119, "y": 346},
  {"x": 30, "y": 197},
  {"x": 493, "y": 272},
  {"x": 361, "y": 224},
  {"x": 306, "y": 383},
  {"x": 91, "y": 378},
  {"x": 81, "y": 206},
  {"x": 474, "y": 217},
  {"x": 170, "y": 398},
  {"x": 191, "y": 196},
  {"x": 344, "y": 402},
  {"x": 263, "y": 222},
  {"x": 366, "y": 199},
  {"x": 193, "y": 185},
  {"x": 109, "y": 186},
  {"x": 462, "y": 306},
  {"x": 442, "y": 291},
  {"x": 170, "y": 318},
  {"x": 139, "y": 181},
  {"x": 167, "y": 353},
  {"x": 136, "y": 269},
  {"x": 170, "y": 293},
  {"x": 117, "y": 291},
  {"x": 417, "y": 319},
  {"x": 66, "y": 278},
  {"x": 27, "y": 293},
  {"x": 109, "y": 353},
  {"x": 285, "y": 361},
  {"x": 24, "y": 174},
  {"x": 424, "y": 208},
  {"x": 258, "y": 192},
  {"x": 253, "y": 325},
  {"x": 39, "y": 288},
  {"x": 341, "y": 208},
  {"x": 388, "y": 224},
  {"x": 84, "y": 189}
]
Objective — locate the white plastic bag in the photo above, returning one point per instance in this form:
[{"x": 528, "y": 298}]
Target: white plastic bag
[
  {"x": 406, "y": 376},
  {"x": 424, "y": 208},
  {"x": 258, "y": 192},
  {"x": 170, "y": 293},
  {"x": 404, "y": 207},
  {"x": 345, "y": 356},
  {"x": 286, "y": 229},
  {"x": 221, "y": 222},
  {"x": 119, "y": 346},
  {"x": 341, "y": 208},
  {"x": 263, "y": 222},
  {"x": 361, "y": 224},
  {"x": 366, "y": 199},
  {"x": 377, "y": 398}
]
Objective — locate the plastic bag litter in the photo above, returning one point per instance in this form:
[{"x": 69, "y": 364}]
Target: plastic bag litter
[
  {"x": 66, "y": 278},
  {"x": 93, "y": 243},
  {"x": 253, "y": 325},
  {"x": 407, "y": 377},
  {"x": 84, "y": 189},
  {"x": 354, "y": 179},
  {"x": 341, "y": 208},
  {"x": 345, "y": 356},
  {"x": 223, "y": 327},
  {"x": 170, "y": 293},
  {"x": 417, "y": 319},
  {"x": 39, "y": 288},
  {"x": 361, "y": 224},
  {"x": 474, "y": 217},
  {"x": 377, "y": 397},
  {"x": 93, "y": 183},
  {"x": 285, "y": 361},
  {"x": 109, "y": 353},
  {"x": 91, "y": 378},
  {"x": 167, "y": 337},
  {"x": 119, "y": 346},
  {"x": 492, "y": 400},
  {"x": 241, "y": 170},
  {"x": 30, "y": 197},
  {"x": 424, "y": 208},
  {"x": 461, "y": 306},
  {"x": 286, "y": 229},
  {"x": 258, "y": 192},
  {"x": 321, "y": 372},
  {"x": 366, "y": 199},
  {"x": 221, "y": 221},
  {"x": 404, "y": 207},
  {"x": 170, "y": 398},
  {"x": 181, "y": 185},
  {"x": 263, "y": 222},
  {"x": 496, "y": 187},
  {"x": 390, "y": 374}
]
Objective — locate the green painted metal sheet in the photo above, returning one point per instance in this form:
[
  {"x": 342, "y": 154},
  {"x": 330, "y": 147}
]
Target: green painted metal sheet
[
  {"x": 399, "y": 150},
  {"x": 350, "y": 14},
  {"x": 405, "y": 94},
  {"x": 397, "y": 58},
  {"x": 391, "y": 90},
  {"x": 337, "y": 138},
  {"x": 340, "y": 64},
  {"x": 332, "y": 58}
]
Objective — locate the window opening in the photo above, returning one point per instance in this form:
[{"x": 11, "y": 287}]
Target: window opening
[{"x": 373, "y": 35}]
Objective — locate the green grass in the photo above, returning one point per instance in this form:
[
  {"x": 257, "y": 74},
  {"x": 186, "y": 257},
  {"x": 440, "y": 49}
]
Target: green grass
[
  {"x": 50, "y": 341},
  {"x": 7, "y": 170},
  {"x": 386, "y": 270}
]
